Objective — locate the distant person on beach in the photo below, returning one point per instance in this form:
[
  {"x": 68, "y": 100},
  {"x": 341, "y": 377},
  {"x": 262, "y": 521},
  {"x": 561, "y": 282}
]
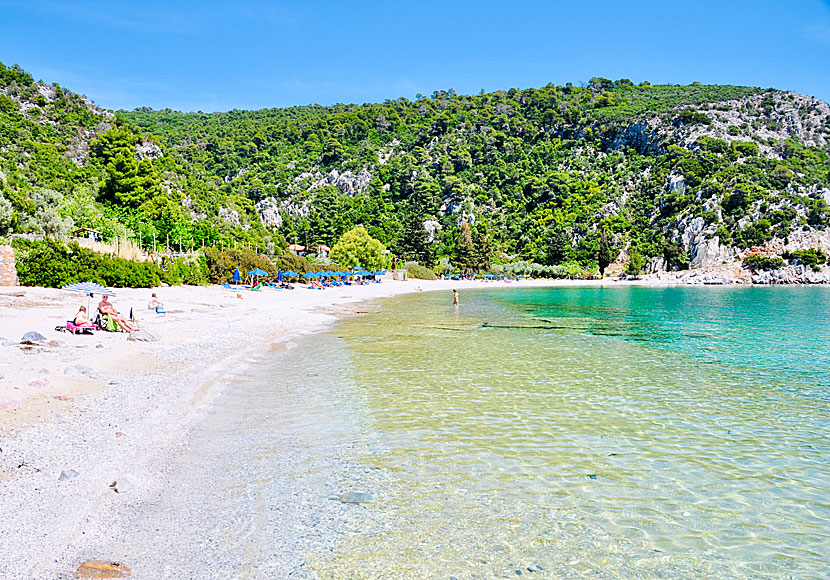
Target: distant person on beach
[
  {"x": 82, "y": 317},
  {"x": 155, "y": 304},
  {"x": 106, "y": 307},
  {"x": 418, "y": 289},
  {"x": 455, "y": 297}
]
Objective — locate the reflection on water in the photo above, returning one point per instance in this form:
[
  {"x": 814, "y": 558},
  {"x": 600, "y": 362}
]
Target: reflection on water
[{"x": 609, "y": 433}]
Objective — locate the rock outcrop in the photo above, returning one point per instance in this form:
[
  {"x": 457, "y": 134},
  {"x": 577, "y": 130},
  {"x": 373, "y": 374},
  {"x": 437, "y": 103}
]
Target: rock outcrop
[{"x": 268, "y": 211}]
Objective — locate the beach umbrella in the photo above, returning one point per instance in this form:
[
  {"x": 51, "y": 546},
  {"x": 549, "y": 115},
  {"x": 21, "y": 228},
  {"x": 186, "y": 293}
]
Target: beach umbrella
[
  {"x": 279, "y": 274},
  {"x": 237, "y": 277},
  {"x": 89, "y": 288},
  {"x": 256, "y": 272},
  {"x": 310, "y": 275},
  {"x": 291, "y": 274}
]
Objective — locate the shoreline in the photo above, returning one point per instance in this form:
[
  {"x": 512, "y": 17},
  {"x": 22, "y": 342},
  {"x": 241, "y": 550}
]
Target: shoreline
[
  {"x": 132, "y": 414},
  {"x": 126, "y": 418}
]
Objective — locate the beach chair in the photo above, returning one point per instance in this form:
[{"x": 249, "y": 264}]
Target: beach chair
[
  {"x": 76, "y": 328},
  {"x": 257, "y": 287},
  {"x": 228, "y": 286},
  {"x": 107, "y": 323}
]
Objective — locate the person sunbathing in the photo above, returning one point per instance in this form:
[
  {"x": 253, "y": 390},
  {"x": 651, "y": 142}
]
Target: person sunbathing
[
  {"x": 106, "y": 307},
  {"x": 82, "y": 319}
]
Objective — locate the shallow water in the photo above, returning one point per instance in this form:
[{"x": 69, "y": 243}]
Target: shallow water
[
  {"x": 557, "y": 433},
  {"x": 632, "y": 432}
]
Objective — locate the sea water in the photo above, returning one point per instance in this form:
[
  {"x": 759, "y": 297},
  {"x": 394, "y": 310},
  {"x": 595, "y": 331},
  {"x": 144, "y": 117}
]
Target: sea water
[
  {"x": 596, "y": 433},
  {"x": 629, "y": 433}
]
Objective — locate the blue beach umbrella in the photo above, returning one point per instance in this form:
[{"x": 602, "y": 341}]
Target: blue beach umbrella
[
  {"x": 89, "y": 288},
  {"x": 380, "y": 273},
  {"x": 257, "y": 272},
  {"x": 237, "y": 277},
  {"x": 279, "y": 274},
  {"x": 308, "y": 275},
  {"x": 291, "y": 274}
]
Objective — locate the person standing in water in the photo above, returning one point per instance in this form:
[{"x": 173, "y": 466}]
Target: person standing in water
[{"x": 455, "y": 297}]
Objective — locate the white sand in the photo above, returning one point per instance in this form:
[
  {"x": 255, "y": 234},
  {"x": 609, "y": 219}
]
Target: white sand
[{"x": 125, "y": 424}]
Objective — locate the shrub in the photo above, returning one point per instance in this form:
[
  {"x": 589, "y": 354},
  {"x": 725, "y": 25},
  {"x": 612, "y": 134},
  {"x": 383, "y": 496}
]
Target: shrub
[
  {"x": 293, "y": 262},
  {"x": 755, "y": 234},
  {"x": 220, "y": 263},
  {"x": 192, "y": 272},
  {"x": 419, "y": 272},
  {"x": 636, "y": 264},
  {"x": 745, "y": 148},
  {"x": 692, "y": 117},
  {"x": 53, "y": 264},
  {"x": 756, "y": 262},
  {"x": 814, "y": 257}
]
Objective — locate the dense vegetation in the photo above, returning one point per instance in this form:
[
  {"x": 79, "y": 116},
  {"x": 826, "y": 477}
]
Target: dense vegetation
[
  {"x": 560, "y": 176},
  {"x": 54, "y": 263}
]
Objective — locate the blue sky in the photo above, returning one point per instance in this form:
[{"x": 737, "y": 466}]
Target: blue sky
[{"x": 216, "y": 56}]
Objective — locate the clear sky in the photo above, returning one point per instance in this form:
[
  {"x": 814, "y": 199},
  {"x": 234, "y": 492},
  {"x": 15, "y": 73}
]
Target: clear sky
[{"x": 215, "y": 56}]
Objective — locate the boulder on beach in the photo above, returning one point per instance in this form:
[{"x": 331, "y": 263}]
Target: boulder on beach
[
  {"x": 142, "y": 336},
  {"x": 33, "y": 337}
]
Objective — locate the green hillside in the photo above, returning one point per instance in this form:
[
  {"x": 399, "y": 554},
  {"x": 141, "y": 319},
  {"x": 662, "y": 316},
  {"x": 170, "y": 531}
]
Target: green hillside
[{"x": 553, "y": 175}]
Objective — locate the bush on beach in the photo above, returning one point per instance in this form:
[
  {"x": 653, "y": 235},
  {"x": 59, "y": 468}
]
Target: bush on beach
[
  {"x": 420, "y": 272},
  {"x": 52, "y": 263},
  {"x": 220, "y": 264}
]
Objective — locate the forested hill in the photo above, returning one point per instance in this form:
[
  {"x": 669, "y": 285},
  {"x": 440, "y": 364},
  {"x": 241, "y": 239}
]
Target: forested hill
[{"x": 677, "y": 174}]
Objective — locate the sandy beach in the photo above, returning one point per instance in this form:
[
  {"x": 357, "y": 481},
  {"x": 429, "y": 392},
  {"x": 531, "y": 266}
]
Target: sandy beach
[{"x": 88, "y": 424}]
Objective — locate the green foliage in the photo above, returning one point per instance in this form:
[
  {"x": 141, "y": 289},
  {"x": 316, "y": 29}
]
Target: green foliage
[
  {"x": 756, "y": 234},
  {"x": 6, "y": 216},
  {"x": 756, "y": 262},
  {"x": 190, "y": 271},
  {"x": 555, "y": 176},
  {"x": 745, "y": 148},
  {"x": 692, "y": 117},
  {"x": 220, "y": 263},
  {"x": 294, "y": 263},
  {"x": 813, "y": 257},
  {"x": 420, "y": 272},
  {"x": 636, "y": 264},
  {"x": 53, "y": 264},
  {"x": 356, "y": 248}
]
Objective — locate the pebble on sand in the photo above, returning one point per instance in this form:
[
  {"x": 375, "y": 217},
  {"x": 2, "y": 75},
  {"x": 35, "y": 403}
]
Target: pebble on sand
[
  {"x": 68, "y": 474},
  {"x": 356, "y": 497},
  {"x": 102, "y": 569}
]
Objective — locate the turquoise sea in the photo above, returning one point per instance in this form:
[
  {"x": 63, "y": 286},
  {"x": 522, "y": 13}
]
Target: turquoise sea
[{"x": 678, "y": 433}]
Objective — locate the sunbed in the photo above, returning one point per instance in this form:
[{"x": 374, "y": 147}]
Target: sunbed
[{"x": 76, "y": 328}]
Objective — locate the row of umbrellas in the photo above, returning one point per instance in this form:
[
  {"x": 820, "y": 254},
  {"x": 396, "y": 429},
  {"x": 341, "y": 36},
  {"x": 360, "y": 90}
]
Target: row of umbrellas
[{"x": 237, "y": 276}]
